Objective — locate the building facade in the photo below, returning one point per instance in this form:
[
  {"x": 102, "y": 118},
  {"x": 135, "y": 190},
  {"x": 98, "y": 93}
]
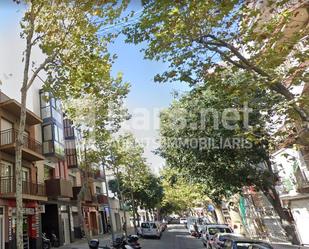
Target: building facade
[{"x": 51, "y": 175}]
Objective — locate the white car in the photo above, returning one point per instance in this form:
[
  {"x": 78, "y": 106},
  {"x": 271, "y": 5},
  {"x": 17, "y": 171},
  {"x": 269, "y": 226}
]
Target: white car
[
  {"x": 151, "y": 229},
  {"x": 211, "y": 230},
  {"x": 183, "y": 221}
]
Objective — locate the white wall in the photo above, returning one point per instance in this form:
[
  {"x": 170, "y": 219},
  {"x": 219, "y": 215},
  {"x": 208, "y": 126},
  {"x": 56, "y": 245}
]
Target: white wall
[{"x": 300, "y": 211}]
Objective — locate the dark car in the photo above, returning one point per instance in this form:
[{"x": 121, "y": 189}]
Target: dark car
[{"x": 235, "y": 242}]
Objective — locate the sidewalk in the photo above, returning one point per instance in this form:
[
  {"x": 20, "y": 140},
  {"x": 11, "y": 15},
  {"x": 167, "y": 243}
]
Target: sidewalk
[{"x": 104, "y": 239}]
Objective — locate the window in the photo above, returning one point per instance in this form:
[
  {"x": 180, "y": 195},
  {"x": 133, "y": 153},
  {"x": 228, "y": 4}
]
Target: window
[
  {"x": 73, "y": 180},
  {"x": 25, "y": 174},
  {"x": 98, "y": 190},
  {"x": 45, "y": 106},
  {"x": 6, "y": 182},
  {"x": 59, "y": 148},
  {"x": 57, "y": 115},
  {"x": 58, "y": 133},
  {"x": 6, "y": 169},
  {"x": 48, "y": 173},
  {"x": 47, "y": 133},
  {"x": 48, "y": 139},
  {"x": 6, "y": 132}
]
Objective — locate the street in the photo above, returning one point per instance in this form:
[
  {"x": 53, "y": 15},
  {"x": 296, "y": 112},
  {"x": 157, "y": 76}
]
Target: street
[{"x": 175, "y": 237}]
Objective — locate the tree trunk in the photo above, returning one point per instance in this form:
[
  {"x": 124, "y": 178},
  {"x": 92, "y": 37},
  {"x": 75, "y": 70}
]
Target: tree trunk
[
  {"x": 80, "y": 197},
  {"x": 147, "y": 215},
  {"x": 133, "y": 209},
  {"x": 137, "y": 217},
  {"x": 19, "y": 140},
  {"x": 122, "y": 205},
  {"x": 18, "y": 171},
  {"x": 274, "y": 199},
  {"x": 218, "y": 214}
]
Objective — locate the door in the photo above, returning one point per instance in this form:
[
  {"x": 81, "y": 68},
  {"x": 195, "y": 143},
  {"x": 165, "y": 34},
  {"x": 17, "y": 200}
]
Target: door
[
  {"x": 6, "y": 132},
  {"x": 2, "y": 227},
  {"x": 26, "y": 181}
]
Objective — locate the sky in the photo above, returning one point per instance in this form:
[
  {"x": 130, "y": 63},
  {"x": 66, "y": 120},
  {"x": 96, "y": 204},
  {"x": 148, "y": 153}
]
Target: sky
[{"x": 145, "y": 100}]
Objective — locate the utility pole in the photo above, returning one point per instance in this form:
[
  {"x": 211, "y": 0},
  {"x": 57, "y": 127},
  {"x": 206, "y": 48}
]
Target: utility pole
[{"x": 108, "y": 202}]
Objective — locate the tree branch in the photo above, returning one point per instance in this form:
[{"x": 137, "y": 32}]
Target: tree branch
[{"x": 36, "y": 72}]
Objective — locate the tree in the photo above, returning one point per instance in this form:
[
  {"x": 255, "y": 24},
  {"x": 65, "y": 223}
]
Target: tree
[
  {"x": 128, "y": 164},
  {"x": 74, "y": 57},
  {"x": 180, "y": 194},
  {"x": 230, "y": 148},
  {"x": 200, "y": 39}
]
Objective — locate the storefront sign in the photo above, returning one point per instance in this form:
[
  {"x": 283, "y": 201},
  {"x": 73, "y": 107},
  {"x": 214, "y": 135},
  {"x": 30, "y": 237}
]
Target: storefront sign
[
  {"x": 74, "y": 209},
  {"x": 26, "y": 211},
  {"x": 63, "y": 208}
]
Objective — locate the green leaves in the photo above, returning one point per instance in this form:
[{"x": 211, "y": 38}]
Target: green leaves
[{"x": 202, "y": 39}]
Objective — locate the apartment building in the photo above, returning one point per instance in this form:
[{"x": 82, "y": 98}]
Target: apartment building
[
  {"x": 51, "y": 175},
  {"x": 294, "y": 188},
  {"x": 34, "y": 195}
]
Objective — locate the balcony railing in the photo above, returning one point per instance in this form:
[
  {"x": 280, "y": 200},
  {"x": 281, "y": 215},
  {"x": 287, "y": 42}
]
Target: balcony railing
[
  {"x": 8, "y": 186},
  {"x": 9, "y": 137},
  {"x": 102, "y": 199}
]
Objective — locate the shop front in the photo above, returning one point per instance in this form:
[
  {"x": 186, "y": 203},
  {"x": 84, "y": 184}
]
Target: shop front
[
  {"x": 57, "y": 223},
  {"x": 91, "y": 218},
  {"x": 31, "y": 225}
]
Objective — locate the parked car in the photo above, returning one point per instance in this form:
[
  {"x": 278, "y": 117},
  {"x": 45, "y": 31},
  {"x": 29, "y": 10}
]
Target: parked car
[
  {"x": 218, "y": 240},
  {"x": 190, "y": 224},
  {"x": 183, "y": 220},
  {"x": 237, "y": 242},
  {"x": 210, "y": 230},
  {"x": 151, "y": 229}
]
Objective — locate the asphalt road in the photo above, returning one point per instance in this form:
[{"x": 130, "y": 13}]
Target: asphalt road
[{"x": 175, "y": 237}]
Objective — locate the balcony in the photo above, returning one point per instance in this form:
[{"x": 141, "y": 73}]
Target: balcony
[
  {"x": 59, "y": 188},
  {"x": 31, "y": 151},
  {"x": 302, "y": 181},
  {"x": 102, "y": 199},
  {"x": 87, "y": 198},
  {"x": 31, "y": 190},
  {"x": 14, "y": 108}
]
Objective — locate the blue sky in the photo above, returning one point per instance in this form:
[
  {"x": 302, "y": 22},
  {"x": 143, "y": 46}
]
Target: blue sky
[{"x": 145, "y": 93}]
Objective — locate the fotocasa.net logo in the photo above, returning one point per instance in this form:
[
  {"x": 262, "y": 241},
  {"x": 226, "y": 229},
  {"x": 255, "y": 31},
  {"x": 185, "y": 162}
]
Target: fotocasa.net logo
[{"x": 179, "y": 119}]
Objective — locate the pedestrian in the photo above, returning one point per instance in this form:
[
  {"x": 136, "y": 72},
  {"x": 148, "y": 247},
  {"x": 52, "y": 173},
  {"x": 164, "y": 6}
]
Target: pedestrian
[
  {"x": 109, "y": 228},
  {"x": 124, "y": 227},
  {"x": 196, "y": 230}
]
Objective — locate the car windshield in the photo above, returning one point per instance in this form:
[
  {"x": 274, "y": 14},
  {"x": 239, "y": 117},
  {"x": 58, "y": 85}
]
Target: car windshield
[
  {"x": 145, "y": 225},
  {"x": 153, "y": 225},
  {"x": 214, "y": 230}
]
